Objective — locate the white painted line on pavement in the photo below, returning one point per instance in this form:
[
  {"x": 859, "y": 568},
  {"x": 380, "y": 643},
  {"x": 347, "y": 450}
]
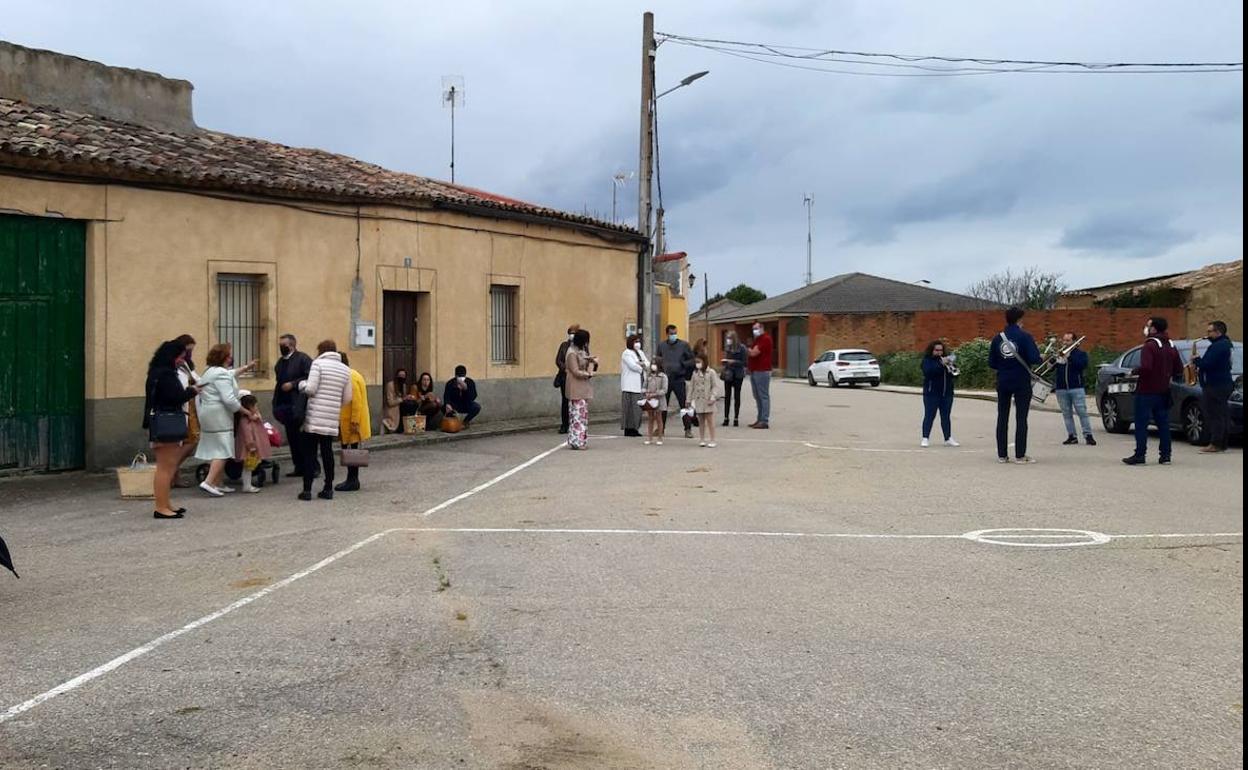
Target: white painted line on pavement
[
  {"x": 502, "y": 476},
  {"x": 142, "y": 650}
]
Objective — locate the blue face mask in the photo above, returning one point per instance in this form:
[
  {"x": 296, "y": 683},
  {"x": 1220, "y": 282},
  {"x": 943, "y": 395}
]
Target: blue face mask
[{"x": 672, "y": 338}]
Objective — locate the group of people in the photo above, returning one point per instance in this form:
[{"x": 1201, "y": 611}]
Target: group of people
[
  {"x": 679, "y": 379},
  {"x": 1014, "y": 356},
  {"x": 206, "y": 415},
  {"x": 416, "y": 406}
]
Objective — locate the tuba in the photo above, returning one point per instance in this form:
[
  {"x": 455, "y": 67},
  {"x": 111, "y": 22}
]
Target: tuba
[{"x": 1051, "y": 360}]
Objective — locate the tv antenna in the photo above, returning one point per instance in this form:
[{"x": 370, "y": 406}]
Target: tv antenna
[
  {"x": 809, "y": 201},
  {"x": 452, "y": 97},
  {"x": 618, "y": 179}
]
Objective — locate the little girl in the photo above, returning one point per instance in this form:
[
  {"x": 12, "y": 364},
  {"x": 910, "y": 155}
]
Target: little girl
[
  {"x": 652, "y": 402},
  {"x": 251, "y": 440},
  {"x": 705, "y": 391}
]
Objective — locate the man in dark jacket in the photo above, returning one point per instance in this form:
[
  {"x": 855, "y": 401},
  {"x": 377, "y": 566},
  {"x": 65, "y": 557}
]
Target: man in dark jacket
[
  {"x": 1216, "y": 385},
  {"x": 460, "y": 396},
  {"x": 292, "y": 368},
  {"x": 1159, "y": 364},
  {"x": 1068, "y": 387},
  {"x": 1013, "y": 354},
  {"x": 561, "y": 378},
  {"x": 678, "y": 366}
]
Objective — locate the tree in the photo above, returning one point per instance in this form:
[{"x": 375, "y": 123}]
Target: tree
[
  {"x": 1032, "y": 288},
  {"x": 741, "y": 294}
]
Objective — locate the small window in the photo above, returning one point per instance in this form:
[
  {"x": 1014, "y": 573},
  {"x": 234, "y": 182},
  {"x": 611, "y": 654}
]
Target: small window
[
  {"x": 856, "y": 356},
  {"x": 1132, "y": 359},
  {"x": 503, "y": 324},
  {"x": 239, "y": 321}
]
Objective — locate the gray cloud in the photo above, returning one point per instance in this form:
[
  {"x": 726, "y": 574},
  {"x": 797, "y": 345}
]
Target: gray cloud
[
  {"x": 1229, "y": 111},
  {"x": 947, "y": 97},
  {"x": 982, "y": 193},
  {"x": 1130, "y": 233}
]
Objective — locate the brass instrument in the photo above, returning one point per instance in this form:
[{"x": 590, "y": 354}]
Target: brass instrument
[
  {"x": 1049, "y": 361},
  {"x": 1191, "y": 375},
  {"x": 950, "y": 364}
]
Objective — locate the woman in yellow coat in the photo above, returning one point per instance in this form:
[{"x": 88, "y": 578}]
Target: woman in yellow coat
[{"x": 354, "y": 426}]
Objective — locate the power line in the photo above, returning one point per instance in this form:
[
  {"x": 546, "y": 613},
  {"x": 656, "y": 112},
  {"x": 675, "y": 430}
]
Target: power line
[{"x": 930, "y": 65}]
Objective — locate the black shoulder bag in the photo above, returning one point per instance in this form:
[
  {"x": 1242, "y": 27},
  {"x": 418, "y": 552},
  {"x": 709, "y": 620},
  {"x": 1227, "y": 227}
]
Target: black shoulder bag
[{"x": 165, "y": 427}]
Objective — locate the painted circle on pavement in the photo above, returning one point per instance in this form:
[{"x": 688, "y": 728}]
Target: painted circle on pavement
[{"x": 1037, "y": 537}]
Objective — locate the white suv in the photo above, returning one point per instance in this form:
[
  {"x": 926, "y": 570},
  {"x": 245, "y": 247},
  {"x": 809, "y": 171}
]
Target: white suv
[{"x": 849, "y": 366}]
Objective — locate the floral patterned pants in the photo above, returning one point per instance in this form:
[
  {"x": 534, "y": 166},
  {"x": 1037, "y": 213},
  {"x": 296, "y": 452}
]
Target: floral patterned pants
[{"x": 578, "y": 423}]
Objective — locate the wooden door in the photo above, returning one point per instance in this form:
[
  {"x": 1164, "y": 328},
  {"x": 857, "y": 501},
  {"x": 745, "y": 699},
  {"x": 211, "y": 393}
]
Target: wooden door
[{"x": 398, "y": 334}]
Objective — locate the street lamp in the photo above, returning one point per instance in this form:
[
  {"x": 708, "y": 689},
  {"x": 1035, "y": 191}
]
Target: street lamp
[{"x": 686, "y": 81}]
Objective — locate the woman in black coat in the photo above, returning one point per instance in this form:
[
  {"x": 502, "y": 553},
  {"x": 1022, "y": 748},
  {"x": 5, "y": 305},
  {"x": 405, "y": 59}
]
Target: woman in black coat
[{"x": 165, "y": 393}]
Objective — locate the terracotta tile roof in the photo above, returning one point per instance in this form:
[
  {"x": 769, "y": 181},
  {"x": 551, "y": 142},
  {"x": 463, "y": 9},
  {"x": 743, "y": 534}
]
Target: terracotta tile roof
[
  {"x": 51, "y": 140},
  {"x": 1193, "y": 279}
]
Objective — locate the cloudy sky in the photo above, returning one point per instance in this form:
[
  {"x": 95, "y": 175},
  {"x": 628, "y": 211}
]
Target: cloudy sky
[{"x": 1100, "y": 177}]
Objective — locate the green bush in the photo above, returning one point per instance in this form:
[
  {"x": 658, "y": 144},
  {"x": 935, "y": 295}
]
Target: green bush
[{"x": 903, "y": 368}]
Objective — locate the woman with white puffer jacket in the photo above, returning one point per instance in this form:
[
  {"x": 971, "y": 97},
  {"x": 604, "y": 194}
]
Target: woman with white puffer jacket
[{"x": 328, "y": 388}]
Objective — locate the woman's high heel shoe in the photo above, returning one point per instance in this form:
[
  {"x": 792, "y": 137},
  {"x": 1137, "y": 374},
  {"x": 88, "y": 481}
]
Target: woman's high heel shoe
[{"x": 159, "y": 515}]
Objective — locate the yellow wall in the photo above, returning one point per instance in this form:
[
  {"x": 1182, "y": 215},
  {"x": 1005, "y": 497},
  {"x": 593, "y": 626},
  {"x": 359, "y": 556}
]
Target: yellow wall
[
  {"x": 673, "y": 310},
  {"x": 152, "y": 258}
]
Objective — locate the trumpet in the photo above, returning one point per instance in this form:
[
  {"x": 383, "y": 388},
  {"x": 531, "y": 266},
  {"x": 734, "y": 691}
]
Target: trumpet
[
  {"x": 950, "y": 364},
  {"x": 1051, "y": 360}
]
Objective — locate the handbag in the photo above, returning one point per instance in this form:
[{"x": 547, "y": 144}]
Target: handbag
[
  {"x": 354, "y": 458},
  {"x": 414, "y": 423},
  {"x": 167, "y": 427}
]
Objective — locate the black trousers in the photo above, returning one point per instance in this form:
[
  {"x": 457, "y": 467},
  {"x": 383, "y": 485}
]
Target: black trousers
[
  {"x": 732, "y": 399},
  {"x": 325, "y": 444},
  {"x": 294, "y": 439},
  {"x": 563, "y": 408},
  {"x": 1214, "y": 403},
  {"x": 1021, "y": 399},
  {"x": 676, "y": 385}
]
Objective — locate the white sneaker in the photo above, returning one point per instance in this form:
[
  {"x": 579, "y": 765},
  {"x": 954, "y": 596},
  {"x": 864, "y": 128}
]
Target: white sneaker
[
  {"x": 1024, "y": 460},
  {"x": 226, "y": 489},
  {"x": 711, "y": 445},
  {"x": 702, "y": 444},
  {"x": 646, "y": 442},
  {"x": 210, "y": 489},
  {"x": 951, "y": 442},
  {"x": 1003, "y": 460},
  {"x": 925, "y": 443},
  {"x": 658, "y": 443}
]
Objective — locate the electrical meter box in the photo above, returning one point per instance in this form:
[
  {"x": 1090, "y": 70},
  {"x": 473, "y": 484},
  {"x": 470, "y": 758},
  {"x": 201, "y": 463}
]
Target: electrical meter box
[{"x": 366, "y": 335}]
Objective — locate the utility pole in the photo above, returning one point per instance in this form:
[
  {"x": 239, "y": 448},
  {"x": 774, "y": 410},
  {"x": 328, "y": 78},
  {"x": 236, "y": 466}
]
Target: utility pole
[
  {"x": 645, "y": 273},
  {"x": 809, "y": 200},
  {"x": 706, "y": 310}
]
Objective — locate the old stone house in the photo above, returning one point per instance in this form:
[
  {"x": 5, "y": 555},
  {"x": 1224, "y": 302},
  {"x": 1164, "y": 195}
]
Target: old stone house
[{"x": 122, "y": 224}]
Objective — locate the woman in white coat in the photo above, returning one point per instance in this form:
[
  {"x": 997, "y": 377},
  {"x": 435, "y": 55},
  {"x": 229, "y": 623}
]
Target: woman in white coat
[
  {"x": 328, "y": 389},
  {"x": 633, "y": 369},
  {"x": 216, "y": 405}
]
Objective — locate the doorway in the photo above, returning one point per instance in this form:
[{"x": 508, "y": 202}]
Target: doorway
[
  {"x": 399, "y": 321},
  {"x": 796, "y": 348}
]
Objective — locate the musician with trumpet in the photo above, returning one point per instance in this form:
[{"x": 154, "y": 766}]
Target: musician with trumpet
[
  {"x": 1069, "y": 364},
  {"x": 939, "y": 372}
]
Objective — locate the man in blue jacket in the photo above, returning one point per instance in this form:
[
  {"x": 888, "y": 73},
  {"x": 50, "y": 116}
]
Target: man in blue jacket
[
  {"x": 1071, "y": 395},
  {"x": 1216, "y": 385},
  {"x": 1013, "y": 355}
]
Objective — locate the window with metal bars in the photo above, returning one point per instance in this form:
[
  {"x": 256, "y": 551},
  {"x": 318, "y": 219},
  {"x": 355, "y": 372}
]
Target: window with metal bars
[
  {"x": 503, "y": 324},
  {"x": 239, "y": 321}
]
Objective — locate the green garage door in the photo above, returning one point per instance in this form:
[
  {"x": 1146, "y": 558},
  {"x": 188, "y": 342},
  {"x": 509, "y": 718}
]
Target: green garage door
[{"x": 42, "y": 312}]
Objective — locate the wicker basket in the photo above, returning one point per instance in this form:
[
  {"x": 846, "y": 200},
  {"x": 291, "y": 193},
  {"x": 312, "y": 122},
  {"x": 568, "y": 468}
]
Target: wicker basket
[{"x": 137, "y": 481}]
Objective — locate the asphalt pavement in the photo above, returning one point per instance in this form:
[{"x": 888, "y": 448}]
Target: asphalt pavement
[{"x": 822, "y": 594}]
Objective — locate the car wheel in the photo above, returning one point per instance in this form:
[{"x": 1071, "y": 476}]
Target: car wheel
[
  {"x": 875, "y": 383},
  {"x": 1110, "y": 416},
  {"x": 1194, "y": 425},
  {"x": 810, "y": 378},
  {"x": 832, "y": 383}
]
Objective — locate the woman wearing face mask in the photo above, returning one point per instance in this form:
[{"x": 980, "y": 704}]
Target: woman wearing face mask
[
  {"x": 653, "y": 401},
  {"x": 217, "y": 403},
  {"x": 705, "y": 390},
  {"x": 165, "y": 394},
  {"x": 399, "y": 402},
  {"x": 633, "y": 368},
  {"x": 427, "y": 402},
  {"x": 580, "y": 367},
  {"x": 732, "y": 372}
]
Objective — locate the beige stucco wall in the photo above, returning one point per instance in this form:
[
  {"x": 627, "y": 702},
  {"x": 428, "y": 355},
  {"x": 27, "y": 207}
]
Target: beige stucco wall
[
  {"x": 1220, "y": 300},
  {"x": 153, "y": 255}
]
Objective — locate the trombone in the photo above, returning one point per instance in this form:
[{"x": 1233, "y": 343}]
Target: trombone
[{"x": 1050, "y": 360}]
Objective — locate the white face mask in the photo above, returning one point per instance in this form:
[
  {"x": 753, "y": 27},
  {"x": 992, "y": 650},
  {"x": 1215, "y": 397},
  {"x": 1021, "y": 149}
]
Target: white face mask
[
  {"x": 1146, "y": 328},
  {"x": 698, "y": 366},
  {"x": 637, "y": 346},
  {"x": 570, "y": 337},
  {"x": 758, "y": 331},
  {"x": 461, "y": 380},
  {"x": 654, "y": 367}
]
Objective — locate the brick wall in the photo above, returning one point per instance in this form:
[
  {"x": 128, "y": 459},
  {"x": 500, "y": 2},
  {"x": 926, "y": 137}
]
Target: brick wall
[
  {"x": 1111, "y": 328},
  {"x": 877, "y": 332}
]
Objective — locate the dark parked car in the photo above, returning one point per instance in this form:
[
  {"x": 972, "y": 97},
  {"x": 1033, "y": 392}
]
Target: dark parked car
[{"x": 1115, "y": 388}]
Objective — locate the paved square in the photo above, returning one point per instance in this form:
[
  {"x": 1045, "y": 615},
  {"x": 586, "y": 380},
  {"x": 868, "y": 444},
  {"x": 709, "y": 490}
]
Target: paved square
[{"x": 824, "y": 594}]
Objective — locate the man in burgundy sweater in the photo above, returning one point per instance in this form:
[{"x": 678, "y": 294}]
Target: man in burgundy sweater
[{"x": 1159, "y": 363}]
